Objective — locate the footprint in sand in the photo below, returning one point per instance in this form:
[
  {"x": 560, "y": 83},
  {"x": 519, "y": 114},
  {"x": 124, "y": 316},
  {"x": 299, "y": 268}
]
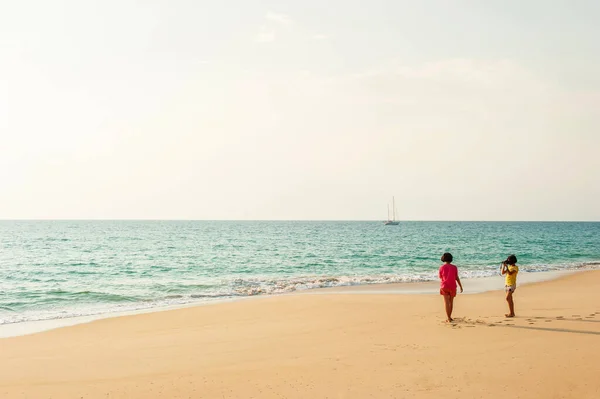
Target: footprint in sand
[
  {"x": 531, "y": 323},
  {"x": 560, "y": 317},
  {"x": 548, "y": 321},
  {"x": 575, "y": 315}
]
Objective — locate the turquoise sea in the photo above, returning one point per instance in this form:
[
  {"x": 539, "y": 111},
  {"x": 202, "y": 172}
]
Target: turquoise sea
[{"x": 60, "y": 269}]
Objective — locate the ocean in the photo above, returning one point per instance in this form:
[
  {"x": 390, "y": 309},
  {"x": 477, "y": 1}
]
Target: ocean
[{"x": 63, "y": 269}]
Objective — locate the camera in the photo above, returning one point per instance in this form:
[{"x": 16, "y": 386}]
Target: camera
[{"x": 511, "y": 260}]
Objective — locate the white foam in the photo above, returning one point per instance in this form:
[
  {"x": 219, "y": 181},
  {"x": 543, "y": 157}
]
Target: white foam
[{"x": 471, "y": 285}]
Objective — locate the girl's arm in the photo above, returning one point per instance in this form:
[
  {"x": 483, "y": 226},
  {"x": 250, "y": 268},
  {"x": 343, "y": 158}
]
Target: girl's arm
[
  {"x": 459, "y": 283},
  {"x": 503, "y": 269}
]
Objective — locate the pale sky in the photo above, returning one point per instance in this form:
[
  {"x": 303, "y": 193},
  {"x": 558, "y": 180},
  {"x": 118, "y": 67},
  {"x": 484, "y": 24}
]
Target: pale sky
[{"x": 244, "y": 109}]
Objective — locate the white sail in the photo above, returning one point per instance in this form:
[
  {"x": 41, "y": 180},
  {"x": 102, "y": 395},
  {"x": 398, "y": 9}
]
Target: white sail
[{"x": 392, "y": 221}]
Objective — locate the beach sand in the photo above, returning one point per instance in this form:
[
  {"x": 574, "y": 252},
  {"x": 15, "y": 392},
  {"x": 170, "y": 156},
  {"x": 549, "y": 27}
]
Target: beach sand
[{"x": 333, "y": 345}]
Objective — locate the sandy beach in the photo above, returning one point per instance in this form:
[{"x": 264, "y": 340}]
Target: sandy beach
[{"x": 326, "y": 346}]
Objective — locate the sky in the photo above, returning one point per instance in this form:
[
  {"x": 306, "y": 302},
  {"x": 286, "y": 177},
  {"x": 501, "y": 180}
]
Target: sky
[{"x": 300, "y": 110}]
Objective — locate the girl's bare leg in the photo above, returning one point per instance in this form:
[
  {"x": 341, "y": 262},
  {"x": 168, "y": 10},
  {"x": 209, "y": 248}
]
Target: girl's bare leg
[
  {"x": 448, "y": 304},
  {"x": 511, "y": 304}
]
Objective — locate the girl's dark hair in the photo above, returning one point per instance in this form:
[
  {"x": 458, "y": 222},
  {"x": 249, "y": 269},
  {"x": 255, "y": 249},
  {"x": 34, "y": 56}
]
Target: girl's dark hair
[
  {"x": 447, "y": 257},
  {"x": 511, "y": 260}
]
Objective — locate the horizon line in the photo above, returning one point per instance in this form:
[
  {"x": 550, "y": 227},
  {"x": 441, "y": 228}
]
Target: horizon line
[{"x": 292, "y": 220}]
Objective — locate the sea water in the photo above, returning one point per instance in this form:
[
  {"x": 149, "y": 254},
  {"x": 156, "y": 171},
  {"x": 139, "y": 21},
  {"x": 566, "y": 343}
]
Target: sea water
[{"x": 62, "y": 269}]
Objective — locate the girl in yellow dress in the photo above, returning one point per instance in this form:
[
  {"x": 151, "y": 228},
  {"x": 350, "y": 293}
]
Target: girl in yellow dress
[{"x": 510, "y": 268}]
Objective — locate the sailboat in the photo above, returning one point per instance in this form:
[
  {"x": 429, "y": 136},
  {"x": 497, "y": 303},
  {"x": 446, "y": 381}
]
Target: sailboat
[{"x": 392, "y": 221}]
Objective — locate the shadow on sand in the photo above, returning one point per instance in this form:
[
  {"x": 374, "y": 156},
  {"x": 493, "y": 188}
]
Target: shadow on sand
[{"x": 460, "y": 322}]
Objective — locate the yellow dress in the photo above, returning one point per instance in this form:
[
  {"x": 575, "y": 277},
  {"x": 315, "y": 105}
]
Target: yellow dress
[{"x": 511, "y": 279}]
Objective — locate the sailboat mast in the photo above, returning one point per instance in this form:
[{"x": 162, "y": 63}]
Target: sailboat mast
[
  {"x": 394, "y": 208},
  {"x": 388, "y": 205}
]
